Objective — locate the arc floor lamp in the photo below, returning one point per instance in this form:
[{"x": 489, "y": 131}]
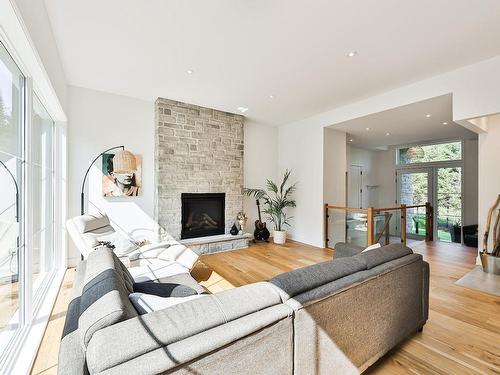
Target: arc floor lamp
[
  {"x": 82, "y": 194},
  {"x": 17, "y": 211}
]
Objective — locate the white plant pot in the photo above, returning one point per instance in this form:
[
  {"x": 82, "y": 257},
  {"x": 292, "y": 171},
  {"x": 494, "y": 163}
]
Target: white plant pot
[{"x": 279, "y": 237}]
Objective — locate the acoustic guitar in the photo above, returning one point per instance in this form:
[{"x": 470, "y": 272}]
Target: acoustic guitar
[{"x": 261, "y": 233}]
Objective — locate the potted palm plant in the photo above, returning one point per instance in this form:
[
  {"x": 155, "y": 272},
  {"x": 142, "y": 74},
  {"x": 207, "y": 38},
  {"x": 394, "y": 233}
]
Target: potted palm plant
[{"x": 276, "y": 200}]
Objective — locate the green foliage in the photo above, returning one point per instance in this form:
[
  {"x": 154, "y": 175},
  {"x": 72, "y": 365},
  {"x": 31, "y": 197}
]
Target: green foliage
[
  {"x": 449, "y": 182},
  {"x": 276, "y": 199},
  {"x": 433, "y": 153}
]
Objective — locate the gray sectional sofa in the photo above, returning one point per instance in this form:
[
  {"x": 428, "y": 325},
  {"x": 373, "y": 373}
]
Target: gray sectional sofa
[{"x": 336, "y": 317}]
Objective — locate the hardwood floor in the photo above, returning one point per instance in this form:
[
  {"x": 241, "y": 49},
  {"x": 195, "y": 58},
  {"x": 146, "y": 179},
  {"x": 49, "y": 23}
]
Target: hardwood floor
[
  {"x": 462, "y": 335},
  {"x": 46, "y": 359},
  {"x": 257, "y": 263}
]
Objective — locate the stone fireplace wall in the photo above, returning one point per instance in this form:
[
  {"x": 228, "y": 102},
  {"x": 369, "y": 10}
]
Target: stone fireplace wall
[{"x": 197, "y": 150}]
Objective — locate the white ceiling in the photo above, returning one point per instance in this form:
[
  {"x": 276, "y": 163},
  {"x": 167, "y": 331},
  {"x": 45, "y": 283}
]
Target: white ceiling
[
  {"x": 242, "y": 51},
  {"x": 406, "y": 124}
]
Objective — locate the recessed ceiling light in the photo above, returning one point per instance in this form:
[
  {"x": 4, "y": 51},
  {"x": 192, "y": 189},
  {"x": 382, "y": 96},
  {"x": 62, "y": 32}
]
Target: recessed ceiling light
[
  {"x": 352, "y": 53},
  {"x": 367, "y": 129},
  {"x": 387, "y": 134},
  {"x": 242, "y": 109},
  {"x": 427, "y": 115},
  {"x": 270, "y": 96},
  {"x": 190, "y": 71},
  {"x": 445, "y": 123}
]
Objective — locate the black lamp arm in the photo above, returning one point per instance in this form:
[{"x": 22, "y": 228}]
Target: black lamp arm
[
  {"x": 82, "y": 194},
  {"x": 17, "y": 189}
]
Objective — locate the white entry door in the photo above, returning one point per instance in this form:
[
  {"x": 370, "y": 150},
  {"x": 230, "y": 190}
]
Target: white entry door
[{"x": 355, "y": 187}]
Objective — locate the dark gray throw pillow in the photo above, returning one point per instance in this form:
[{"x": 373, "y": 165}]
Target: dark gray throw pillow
[{"x": 164, "y": 289}]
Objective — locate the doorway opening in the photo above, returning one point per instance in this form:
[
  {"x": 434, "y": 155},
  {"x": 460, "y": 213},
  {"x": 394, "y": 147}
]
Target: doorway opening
[{"x": 412, "y": 155}]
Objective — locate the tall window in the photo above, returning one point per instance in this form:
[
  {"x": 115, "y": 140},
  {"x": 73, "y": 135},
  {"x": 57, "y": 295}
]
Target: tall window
[
  {"x": 42, "y": 177},
  {"x": 430, "y": 153},
  {"x": 27, "y": 251},
  {"x": 432, "y": 173},
  {"x": 11, "y": 189}
]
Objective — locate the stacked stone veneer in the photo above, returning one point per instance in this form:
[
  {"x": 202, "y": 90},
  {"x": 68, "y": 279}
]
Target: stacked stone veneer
[{"x": 197, "y": 150}]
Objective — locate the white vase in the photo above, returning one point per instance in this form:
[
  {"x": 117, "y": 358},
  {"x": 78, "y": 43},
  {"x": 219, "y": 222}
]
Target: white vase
[{"x": 279, "y": 237}]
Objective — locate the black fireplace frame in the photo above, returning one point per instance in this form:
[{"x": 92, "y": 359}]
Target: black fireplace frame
[{"x": 221, "y": 197}]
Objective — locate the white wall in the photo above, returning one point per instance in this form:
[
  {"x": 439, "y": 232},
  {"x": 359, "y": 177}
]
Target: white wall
[
  {"x": 366, "y": 159},
  {"x": 260, "y": 163},
  {"x": 99, "y": 121},
  {"x": 475, "y": 89},
  {"x": 470, "y": 178},
  {"x": 385, "y": 170},
  {"x": 301, "y": 150},
  {"x": 489, "y": 178},
  {"x": 36, "y": 19},
  {"x": 334, "y": 183}
]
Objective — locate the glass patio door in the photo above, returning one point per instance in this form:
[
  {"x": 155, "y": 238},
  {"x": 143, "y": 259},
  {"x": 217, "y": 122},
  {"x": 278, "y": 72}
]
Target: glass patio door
[
  {"x": 415, "y": 188},
  {"x": 11, "y": 194},
  {"x": 449, "y": 204},
  {"x": 442, "y": 187}
]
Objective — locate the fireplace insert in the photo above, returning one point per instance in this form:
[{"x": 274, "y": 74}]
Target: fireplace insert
[{"x": 203, "y": 214}]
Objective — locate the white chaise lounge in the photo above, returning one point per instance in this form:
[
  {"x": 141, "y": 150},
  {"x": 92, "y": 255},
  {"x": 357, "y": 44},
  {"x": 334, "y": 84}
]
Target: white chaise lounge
[{"x": 151, "y": 262}]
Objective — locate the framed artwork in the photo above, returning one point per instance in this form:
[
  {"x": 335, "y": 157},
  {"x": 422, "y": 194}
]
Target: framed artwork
[{"x": 122, "y": 175}]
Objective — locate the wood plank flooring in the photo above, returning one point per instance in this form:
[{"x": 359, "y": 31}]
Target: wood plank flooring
[
  {"x": 46, "y": 359},
  {"x": 462, "y": 335}
]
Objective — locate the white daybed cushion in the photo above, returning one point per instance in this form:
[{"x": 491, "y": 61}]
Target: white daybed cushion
[
  {"x": 155, "y": 269},
  {"x": 181, "y": 254},
  {"x": 149, "y": 251},
  {"x": 166, "y": 251},
  {"x": 122, "y": 245},
  {"x": 146, "y": 303}
]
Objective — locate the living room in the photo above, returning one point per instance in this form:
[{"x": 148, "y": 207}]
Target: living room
[{"x": 200, "y": 183}]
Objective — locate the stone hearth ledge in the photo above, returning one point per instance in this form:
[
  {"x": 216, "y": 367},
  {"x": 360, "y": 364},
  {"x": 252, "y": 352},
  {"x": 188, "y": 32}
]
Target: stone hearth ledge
[{"x": 219, "y": 243}]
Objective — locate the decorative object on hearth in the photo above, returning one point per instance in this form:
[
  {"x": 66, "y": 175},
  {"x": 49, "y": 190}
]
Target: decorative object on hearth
[
  {"x": 234, "y": 230},
  {"x": 122, "y": 174},
  {"x": 491, "y": 261},
  {"x": 276, "y": 199},
  {"x": 242, "y": 220}
]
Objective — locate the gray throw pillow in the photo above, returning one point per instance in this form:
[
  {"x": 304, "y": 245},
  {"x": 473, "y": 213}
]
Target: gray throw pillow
[{"x": 164, "y": 289}]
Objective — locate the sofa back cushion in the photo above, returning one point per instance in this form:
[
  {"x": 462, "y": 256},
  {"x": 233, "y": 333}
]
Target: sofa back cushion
[
  {"x": 383, "y": 254},
  {"x": 307, "y": 278},
  {"x": 304, "y": 279},
  {"x": 104, "y": 300}
]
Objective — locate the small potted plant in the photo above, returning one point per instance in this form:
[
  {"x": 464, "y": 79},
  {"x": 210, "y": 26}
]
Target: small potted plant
[{"x": 276, "y": 200}]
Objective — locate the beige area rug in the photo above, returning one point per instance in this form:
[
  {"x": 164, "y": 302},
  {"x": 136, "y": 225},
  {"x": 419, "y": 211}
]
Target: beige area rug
[{"x": 482, "y": 281}]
